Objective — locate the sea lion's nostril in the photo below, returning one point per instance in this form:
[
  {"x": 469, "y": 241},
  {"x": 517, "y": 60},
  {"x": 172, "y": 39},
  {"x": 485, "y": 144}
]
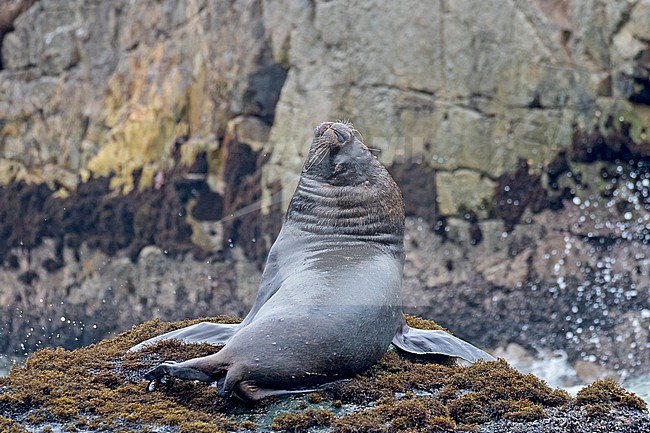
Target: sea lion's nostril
[
  {"x": 322, "y": 128},
  {"x": 341, "y": 137}
]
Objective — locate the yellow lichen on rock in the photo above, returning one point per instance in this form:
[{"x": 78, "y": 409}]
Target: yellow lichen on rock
[
  {"x": 196, "y": 100},
  {"x": 145, "y": 109},
  {"x": 9, "y": 170}
]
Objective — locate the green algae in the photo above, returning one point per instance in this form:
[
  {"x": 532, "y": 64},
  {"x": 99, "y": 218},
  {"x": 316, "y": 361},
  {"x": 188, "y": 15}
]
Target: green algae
[
  {"x": 294, "y": 422},
  {"x": 420, "y": 323},
  {"x": 391, "y": 415},
  {"x": 470, "y": 395},
  {"x": 9, "y": 426},
  {"x": 100, "y": 388},
  {"x": 603, "y": 395}
]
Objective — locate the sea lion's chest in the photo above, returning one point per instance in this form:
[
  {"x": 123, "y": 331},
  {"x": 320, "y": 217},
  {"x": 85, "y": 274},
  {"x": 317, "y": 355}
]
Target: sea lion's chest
[{"x": 331, "y": 272}]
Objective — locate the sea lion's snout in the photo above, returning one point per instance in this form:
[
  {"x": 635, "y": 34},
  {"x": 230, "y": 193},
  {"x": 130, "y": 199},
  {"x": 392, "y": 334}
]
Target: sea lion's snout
[
  {"x": 336, "y": 133},
  {"x": 338, "y": 156}
]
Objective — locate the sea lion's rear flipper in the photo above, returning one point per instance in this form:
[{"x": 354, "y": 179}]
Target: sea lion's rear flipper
[
  {"x": 204, "y": 332},
  {"x": 249, "y": 392},
  {"x": 427, "y": 342}
]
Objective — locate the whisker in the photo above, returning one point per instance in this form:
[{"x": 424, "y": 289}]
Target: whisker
[
  {"x": 316, "y": 158},
  {"x": 354, "y": 130},
  {"x": 323, "y": 155},
  {"x": 345, "y": 122}
]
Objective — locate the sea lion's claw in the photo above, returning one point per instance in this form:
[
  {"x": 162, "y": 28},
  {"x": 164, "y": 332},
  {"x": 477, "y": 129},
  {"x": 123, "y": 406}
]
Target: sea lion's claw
[{"x": 160, "y": 371}]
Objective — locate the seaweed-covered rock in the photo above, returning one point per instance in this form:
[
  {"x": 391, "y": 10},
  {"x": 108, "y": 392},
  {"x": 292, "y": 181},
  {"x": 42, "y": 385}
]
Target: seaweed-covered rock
[{"x": 100, "y": 388}]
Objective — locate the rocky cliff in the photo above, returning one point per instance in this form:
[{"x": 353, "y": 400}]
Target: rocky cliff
[{"x": 147, "y": 151}]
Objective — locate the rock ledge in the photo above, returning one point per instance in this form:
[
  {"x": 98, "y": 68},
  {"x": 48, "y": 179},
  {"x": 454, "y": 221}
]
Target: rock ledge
[{"x": 100, "y": 388}]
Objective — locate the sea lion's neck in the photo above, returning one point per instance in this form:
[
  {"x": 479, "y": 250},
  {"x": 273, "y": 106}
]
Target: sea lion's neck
[{"x": 372, "y": 211}]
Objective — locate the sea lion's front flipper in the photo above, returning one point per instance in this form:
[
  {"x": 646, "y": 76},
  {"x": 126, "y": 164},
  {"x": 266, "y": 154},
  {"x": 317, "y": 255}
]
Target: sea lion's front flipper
[
  {"x": 211, "y": 368},
  {"x": 424, "y": 342},
  {"x": 204, "y": 332},
  {"x": 178, "y": 370},
  {"x": 220, "y": 333}
]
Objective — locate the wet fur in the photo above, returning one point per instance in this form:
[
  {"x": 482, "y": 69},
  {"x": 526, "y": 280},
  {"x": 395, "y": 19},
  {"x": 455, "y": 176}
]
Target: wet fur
[{"x": 329, "y": 302}]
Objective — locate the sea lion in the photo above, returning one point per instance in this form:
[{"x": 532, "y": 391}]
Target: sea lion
[{"x": 329, "y": 302}]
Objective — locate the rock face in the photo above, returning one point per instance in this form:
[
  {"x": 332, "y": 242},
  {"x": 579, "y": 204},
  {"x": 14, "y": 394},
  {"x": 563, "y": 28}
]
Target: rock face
[{"x": 518, "y": 133}]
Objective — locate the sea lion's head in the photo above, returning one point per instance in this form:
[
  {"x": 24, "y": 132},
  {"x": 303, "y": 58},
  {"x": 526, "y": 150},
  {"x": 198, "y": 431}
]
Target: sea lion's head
[
  {"x": 345, "y": 190},
  {"x": 338, "y": 157}
]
